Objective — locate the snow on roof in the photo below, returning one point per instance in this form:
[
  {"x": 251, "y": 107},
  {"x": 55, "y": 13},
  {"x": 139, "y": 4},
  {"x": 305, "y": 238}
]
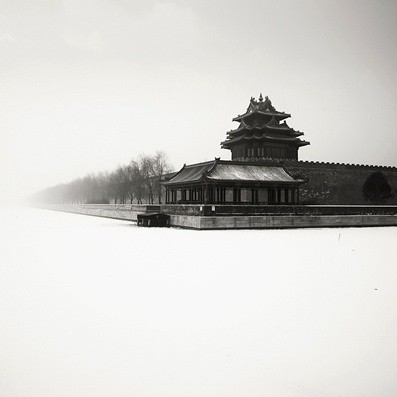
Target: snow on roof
[
  {"x": 255, "y": 173},
  {"x": 230, "y": 171}
]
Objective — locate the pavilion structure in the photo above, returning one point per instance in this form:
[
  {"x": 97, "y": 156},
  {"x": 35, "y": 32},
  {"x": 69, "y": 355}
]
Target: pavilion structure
[
  {"x": 263, "y": 133},
  {"x": 252, "y": 176},
  {"x": 230, "y": 182}
]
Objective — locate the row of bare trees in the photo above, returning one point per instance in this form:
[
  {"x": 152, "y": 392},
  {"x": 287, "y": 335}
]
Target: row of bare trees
[{"x": 136, "y": 182}]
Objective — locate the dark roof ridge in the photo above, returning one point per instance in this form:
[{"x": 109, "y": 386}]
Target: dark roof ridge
[
  {"x": 264, "y": 136},
  {"x": 196, "y": 164},
  {"x": 259, "y": 161},
  {"x": 269, "y": 113},
  {"x": 177, "y": 173},
  {"x": 280, "y": 129},
  {"x": 208, "y": 172}
]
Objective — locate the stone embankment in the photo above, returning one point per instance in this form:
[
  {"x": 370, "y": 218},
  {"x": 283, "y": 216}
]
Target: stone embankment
[
  {"x": 127, "y": 212},
  {"x": 244, "y": 217}
]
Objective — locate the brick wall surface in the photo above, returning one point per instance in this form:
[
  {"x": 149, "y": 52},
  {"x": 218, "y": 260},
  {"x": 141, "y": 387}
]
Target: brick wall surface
[{"x": 330, "y": 183}]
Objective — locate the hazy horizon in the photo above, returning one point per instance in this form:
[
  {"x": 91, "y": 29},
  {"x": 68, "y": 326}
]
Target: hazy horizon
[{"x": 87, "y": 85}]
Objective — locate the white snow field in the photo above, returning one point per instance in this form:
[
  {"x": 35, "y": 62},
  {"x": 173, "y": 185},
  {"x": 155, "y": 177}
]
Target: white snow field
[{"x": 99, "y": 307}]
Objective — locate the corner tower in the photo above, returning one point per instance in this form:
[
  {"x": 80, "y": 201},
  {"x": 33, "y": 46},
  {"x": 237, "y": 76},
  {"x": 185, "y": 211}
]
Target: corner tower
[{"x": 263, "y": 133}]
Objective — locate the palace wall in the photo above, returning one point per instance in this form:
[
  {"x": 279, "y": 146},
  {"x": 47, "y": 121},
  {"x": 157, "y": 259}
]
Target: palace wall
[
  {"x": 127, "y": 212},
  {"x": 241, "y": 217},
  {"x": 338, "y": 184}
]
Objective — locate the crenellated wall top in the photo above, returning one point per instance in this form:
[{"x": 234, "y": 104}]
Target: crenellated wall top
[{"x": 319, "y": 164}]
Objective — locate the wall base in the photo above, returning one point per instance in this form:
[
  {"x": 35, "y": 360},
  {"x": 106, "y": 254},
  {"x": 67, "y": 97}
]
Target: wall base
[
  {"x": 279, "y": 222},
  {"x": 265, "y": 221}
]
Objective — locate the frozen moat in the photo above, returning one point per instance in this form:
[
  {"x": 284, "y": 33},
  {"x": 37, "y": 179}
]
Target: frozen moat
[{"x": 98, "y": 307}]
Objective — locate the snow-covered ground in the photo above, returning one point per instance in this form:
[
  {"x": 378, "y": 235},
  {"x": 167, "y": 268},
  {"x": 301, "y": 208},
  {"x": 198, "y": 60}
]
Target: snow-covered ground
[{"x": 99, "y": 307}]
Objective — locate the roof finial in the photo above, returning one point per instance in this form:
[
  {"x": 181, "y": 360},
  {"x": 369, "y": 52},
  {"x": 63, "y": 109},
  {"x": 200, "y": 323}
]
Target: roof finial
[{"x": 260, "y": 97}]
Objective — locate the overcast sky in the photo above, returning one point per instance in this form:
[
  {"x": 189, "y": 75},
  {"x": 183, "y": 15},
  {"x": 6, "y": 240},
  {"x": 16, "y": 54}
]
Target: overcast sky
[{"x": 88, "y": 84}]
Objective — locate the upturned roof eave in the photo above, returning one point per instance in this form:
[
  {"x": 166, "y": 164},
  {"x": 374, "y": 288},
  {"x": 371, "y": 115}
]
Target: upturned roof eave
[
  {"x": 196, "y": 180},
  {"x": 282, "y": 115},
  {"x": 288, "y": 129},
  {"x": 177, "y": 183},
  {"x": 294, "y": 140},
  {"x": 176, "y": 174}
]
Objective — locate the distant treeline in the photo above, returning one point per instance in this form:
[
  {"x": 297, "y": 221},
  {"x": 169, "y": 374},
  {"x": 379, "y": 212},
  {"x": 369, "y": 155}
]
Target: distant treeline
[{"x": 137, "y": 182}]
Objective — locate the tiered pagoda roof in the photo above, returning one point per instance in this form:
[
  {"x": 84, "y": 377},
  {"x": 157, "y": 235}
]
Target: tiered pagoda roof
[{"x": 262, "y": 123}]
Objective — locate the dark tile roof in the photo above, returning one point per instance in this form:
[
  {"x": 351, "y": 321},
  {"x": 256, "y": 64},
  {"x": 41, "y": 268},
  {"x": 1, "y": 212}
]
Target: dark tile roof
[
  {"x": 264, "y": 136},
  {"x": 218, "y": 170},
  {"x": 249, "y": 172},
  {"x": 283, "y": 127},
  {"x": 192, "y": 173},
  {"x": 262, "y": 117},
  {"x": 263, "y": 107}
]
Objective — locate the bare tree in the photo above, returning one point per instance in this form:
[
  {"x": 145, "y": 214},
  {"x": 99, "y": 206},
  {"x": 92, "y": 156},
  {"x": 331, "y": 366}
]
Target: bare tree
[
  {"x": 146, "y": 169},
  {"x": 134, "y": 181},
  {"x": 137, "y": 183},
  {"x": 118, "y": 185},
  {"x": 160, "y": 166}
]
